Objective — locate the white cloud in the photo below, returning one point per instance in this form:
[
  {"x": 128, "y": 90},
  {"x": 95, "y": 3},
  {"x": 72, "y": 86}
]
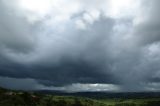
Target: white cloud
[{"x": 87, "y": 87}]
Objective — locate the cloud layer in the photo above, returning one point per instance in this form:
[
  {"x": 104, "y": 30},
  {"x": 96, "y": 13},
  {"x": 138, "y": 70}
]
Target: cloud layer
[{"x": 60, "y": 44}]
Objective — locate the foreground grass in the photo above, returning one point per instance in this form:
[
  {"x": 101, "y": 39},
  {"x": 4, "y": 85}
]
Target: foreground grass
[{"x": 12, "y": 98}]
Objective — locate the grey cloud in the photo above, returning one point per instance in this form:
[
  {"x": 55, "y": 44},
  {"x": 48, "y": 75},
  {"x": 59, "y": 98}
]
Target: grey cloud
[
  {"x": 18, "y": 84},
  {"x": 82, "y": 62},
  {"x": 148, "y": 30},
  {"x": 107, "y": 51},
  {"x": 15, "y": 31}
]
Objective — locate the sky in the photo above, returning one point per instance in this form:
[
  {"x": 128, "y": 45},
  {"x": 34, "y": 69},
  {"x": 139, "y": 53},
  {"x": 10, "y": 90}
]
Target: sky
[{"x": 80, "y": 45}]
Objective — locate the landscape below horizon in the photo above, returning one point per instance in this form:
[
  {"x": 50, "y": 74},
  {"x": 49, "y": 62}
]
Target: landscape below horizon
[{"x": 54, "y": 98}]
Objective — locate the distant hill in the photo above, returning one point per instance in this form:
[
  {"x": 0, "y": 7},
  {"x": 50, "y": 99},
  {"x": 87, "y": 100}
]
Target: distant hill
[
  {"x": 102, "y": 95},
  {"x": 56, "y": 98},
  {"x": 22, "y": 98}
]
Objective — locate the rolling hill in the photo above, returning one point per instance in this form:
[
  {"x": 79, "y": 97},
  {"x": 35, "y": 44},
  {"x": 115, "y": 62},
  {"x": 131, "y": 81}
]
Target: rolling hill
[{"x": 39, "y": 98}]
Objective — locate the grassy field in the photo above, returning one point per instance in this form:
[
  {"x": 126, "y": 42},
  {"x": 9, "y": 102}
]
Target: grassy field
[
  {"x": 132, "y": 102},
  {"x": 19, "y": 98}
]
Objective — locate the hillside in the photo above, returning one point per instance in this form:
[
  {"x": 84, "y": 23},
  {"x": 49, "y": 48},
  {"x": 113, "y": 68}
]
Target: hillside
[{"x": 20, "y": 98}]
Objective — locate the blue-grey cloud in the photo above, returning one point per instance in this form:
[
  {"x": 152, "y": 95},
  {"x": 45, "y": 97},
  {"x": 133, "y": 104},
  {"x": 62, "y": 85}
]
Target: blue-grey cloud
[{"x": 88, "y": 45}]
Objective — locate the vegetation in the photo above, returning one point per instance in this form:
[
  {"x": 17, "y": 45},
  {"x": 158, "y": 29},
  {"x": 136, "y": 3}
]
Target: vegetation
[{"x": 18, "y": 98}]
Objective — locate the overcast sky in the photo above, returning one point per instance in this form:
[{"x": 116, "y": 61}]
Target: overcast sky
[{"x": 80, "y": 45}]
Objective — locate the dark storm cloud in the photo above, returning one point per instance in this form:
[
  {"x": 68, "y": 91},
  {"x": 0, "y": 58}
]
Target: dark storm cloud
[
  {"x": 83, "y": 67},
  {"x": 18, "y": 84},
  {"x": 89, "y": 48}
]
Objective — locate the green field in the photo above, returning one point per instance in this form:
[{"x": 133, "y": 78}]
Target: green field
[{"x": 19, "y": 98}]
